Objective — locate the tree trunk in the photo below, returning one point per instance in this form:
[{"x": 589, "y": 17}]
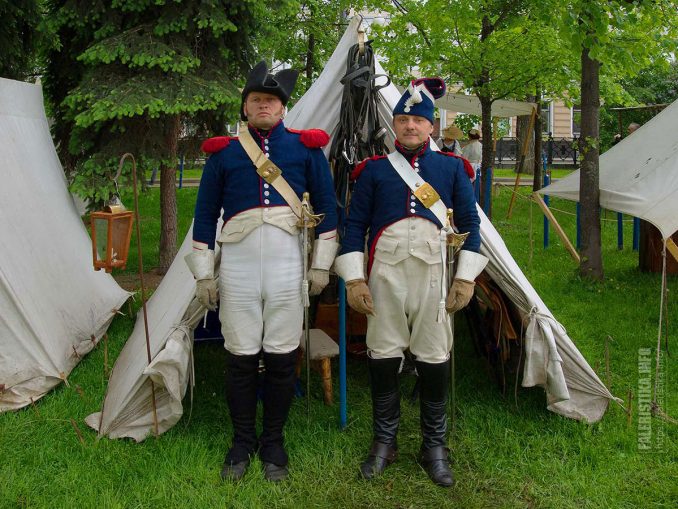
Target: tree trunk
[
  {"x": 591, "y": 265},
  {"x": 538, "y": 165},
  {"x": 522, "y": 128},
  {"x": 168, "y": 197},
  {"x": 488, "y": 154}
]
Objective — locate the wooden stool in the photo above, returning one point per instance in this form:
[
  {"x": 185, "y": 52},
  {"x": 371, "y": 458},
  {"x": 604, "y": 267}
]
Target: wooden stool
[{"x": 323, "y": 348}]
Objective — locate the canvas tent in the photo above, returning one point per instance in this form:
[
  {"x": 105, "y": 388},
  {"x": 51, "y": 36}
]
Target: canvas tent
[
  {"x": 639, "y": 175},
  {"x": 54, "y": 307},
  {"x": 551, "y": 359}
]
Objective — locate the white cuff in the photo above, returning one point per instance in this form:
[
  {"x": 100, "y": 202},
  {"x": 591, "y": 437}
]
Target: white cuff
[
  {"x": 201, "y": 263},
  {"x": 469, "y": 265},
  {"x": 350, "y": 266},
  {"x": 324, "y": 252}
]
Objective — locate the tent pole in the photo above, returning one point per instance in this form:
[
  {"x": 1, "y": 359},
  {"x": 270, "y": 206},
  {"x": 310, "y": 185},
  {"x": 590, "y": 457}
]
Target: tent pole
[
  {"x": 141, "y": 281},
  {"x": 521, "y": 165},
  {"x": 559, "y": 230}
]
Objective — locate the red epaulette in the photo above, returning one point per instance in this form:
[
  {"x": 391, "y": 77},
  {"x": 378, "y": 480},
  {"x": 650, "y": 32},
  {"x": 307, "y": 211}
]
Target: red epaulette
[
  {"x": 467, "y": 165},
  {"x": 312, "y": 138},
  {"x": 361, "y": 166},
  {"x": 213, "y": 145}
]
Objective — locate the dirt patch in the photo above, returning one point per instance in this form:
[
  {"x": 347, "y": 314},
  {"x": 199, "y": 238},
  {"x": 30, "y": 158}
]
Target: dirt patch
[{"x": 131, "y": 283}]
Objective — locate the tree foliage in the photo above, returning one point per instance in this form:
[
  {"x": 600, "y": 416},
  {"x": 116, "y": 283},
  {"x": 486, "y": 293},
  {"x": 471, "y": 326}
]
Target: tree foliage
[
  {"x": 136, "y": 73},
  {"x": 19, "y": 38},
  {"x": 493, "y": 49}
]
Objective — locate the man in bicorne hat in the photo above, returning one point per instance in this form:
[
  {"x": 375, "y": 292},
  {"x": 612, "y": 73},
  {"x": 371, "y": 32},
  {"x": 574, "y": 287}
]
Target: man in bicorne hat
[
  {"x": 260, "y": 274},
  {"x": 400, "y": 201}
]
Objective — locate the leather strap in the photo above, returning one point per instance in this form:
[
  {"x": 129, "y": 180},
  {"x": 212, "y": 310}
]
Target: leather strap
[
  {"x": 268, "y": 170},
  {"x": 421, "y": 189},
  {"x": 435, "y": 454},
  {"x": 430, "y": 198},
  {"x": 383, "y": 451}
]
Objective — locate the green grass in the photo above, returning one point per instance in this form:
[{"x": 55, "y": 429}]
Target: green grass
[
  {"x": 504, "y": 456},
  {"x": 556, "y": 173}
]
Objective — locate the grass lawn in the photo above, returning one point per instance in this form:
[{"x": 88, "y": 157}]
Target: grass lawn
[{"x": 504, "y": 455}]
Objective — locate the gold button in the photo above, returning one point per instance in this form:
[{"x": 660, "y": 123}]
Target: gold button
[{"x": 266, "y": 173}]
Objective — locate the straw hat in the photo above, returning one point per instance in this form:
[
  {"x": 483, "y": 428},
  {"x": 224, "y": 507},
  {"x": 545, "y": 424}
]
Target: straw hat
[{"x": 452, "y": 132}]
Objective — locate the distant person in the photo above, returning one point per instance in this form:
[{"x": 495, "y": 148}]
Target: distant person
[
  {"x": 473, "y": 150},
  {"x": 632, "y": 127},
  {"x": 617, "y": 138},
  {"x": 451, "y": 135}
]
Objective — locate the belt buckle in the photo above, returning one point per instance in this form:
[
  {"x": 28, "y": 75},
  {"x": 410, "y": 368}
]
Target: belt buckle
[
  {"x": 269, "y": 171},
  {"x": 427, "y": 195}
]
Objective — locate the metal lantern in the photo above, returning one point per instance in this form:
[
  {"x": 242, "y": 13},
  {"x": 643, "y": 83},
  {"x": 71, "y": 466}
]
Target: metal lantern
[{"x": 111, "y": 234}]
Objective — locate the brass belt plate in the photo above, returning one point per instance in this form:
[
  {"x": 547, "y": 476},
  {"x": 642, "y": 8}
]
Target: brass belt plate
[
  {"x": 269, "y": 171},
  {"x": 427, "y": 195}
]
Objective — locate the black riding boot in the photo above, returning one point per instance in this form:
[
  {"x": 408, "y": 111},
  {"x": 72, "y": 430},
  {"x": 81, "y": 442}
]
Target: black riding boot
[
  {"x": 385, "y": 415},
  {"x": 434, "y": 454},
  {"x": 241, "y": 396},
  {"x": 279, "y": 381}
]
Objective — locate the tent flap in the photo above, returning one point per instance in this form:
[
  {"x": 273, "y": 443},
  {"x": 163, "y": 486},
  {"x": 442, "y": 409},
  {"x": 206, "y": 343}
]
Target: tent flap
[
  {"x": 639, "y": 175},
  {"x": 55, "y": 307}
]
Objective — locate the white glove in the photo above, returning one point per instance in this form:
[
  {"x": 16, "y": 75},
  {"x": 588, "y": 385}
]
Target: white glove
[
  {"x": 318, "y": 279},
  {"x": 207, "y": 293}
]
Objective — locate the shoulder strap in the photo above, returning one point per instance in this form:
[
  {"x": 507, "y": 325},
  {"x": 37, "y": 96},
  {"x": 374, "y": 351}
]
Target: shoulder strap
[
  {"x": 268, "y": 170},
  {"x": 424, "y": 191}
]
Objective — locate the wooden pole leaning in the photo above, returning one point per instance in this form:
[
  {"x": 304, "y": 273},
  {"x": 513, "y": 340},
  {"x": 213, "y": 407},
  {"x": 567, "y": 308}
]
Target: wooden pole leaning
[
  {"x": 521, "y": 164},
  {"x": 559, "y": 230},
  {"x": 141, "y": 279}
]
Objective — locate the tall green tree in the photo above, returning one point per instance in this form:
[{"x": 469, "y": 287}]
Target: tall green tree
[
  {"x": 19, "y": 38},
  {"x": 144, "y": 72},
  {"x": 614, "y": 39},
  {"x": 494, "y": 49}
]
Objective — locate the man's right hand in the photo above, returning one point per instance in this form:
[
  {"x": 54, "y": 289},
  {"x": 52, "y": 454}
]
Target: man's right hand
[
  {"x": 207, "y": 293},
  {"x": 359, "y": 297}
]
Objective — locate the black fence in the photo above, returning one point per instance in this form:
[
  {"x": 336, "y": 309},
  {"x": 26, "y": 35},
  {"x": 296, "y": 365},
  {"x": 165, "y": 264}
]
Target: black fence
[{"x": 557, "y": 151}]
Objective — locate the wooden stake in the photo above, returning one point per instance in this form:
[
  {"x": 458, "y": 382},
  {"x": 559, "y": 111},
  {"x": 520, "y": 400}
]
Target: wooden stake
[
  {"x": 559, "y": 230},
  {"x": 672, "y": 248},
  {"x": 105, "y": 355},
  {"x": 629, "y": 408},
  {"x": 77, "y": 431},
  {"x": 37, "y": 412},
  {"x": 607, "y": 361}
]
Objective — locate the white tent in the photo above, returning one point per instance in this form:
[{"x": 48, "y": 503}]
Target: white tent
[
  {"x": 551, "y": 359},
  {"x": 639, "y": 175},
  {"x": 471, "y": 104},
  {"x": 54, "y": 307}
]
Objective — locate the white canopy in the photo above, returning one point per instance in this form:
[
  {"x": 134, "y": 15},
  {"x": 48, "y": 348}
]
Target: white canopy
[
  {"x": 639, "y": 175},
  {"x": 552, "y": 361},
  {"x": 54, "y": 306},
  {"x": 471, "y": 104}
]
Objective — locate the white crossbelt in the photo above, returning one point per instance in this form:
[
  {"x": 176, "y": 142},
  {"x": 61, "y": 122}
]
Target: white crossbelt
[{"x": 431, "y": 200}]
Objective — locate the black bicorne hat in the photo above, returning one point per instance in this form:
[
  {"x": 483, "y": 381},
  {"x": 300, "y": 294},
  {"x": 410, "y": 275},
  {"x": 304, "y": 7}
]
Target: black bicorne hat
[{"x": 280, "y": 84}]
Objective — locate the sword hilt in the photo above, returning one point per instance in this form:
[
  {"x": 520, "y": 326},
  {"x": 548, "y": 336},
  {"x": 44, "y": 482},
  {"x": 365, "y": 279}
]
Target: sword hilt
[{"x": 455, "y": 240}]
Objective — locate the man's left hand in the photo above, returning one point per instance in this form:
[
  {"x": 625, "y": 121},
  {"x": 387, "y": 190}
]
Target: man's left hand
[
  {"x": 459, "y": 295},
  {"x": 318, "y": 279}
]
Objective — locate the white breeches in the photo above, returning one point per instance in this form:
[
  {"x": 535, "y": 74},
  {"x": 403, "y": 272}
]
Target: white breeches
[
  {"x": 406, "y": 297},
  {"x": 260, "y": 292}
]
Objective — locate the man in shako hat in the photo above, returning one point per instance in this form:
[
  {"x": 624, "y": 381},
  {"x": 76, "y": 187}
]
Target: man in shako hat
[
  {"x": 400, "y": 201},
  {"x": 260, "y": 275}
]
